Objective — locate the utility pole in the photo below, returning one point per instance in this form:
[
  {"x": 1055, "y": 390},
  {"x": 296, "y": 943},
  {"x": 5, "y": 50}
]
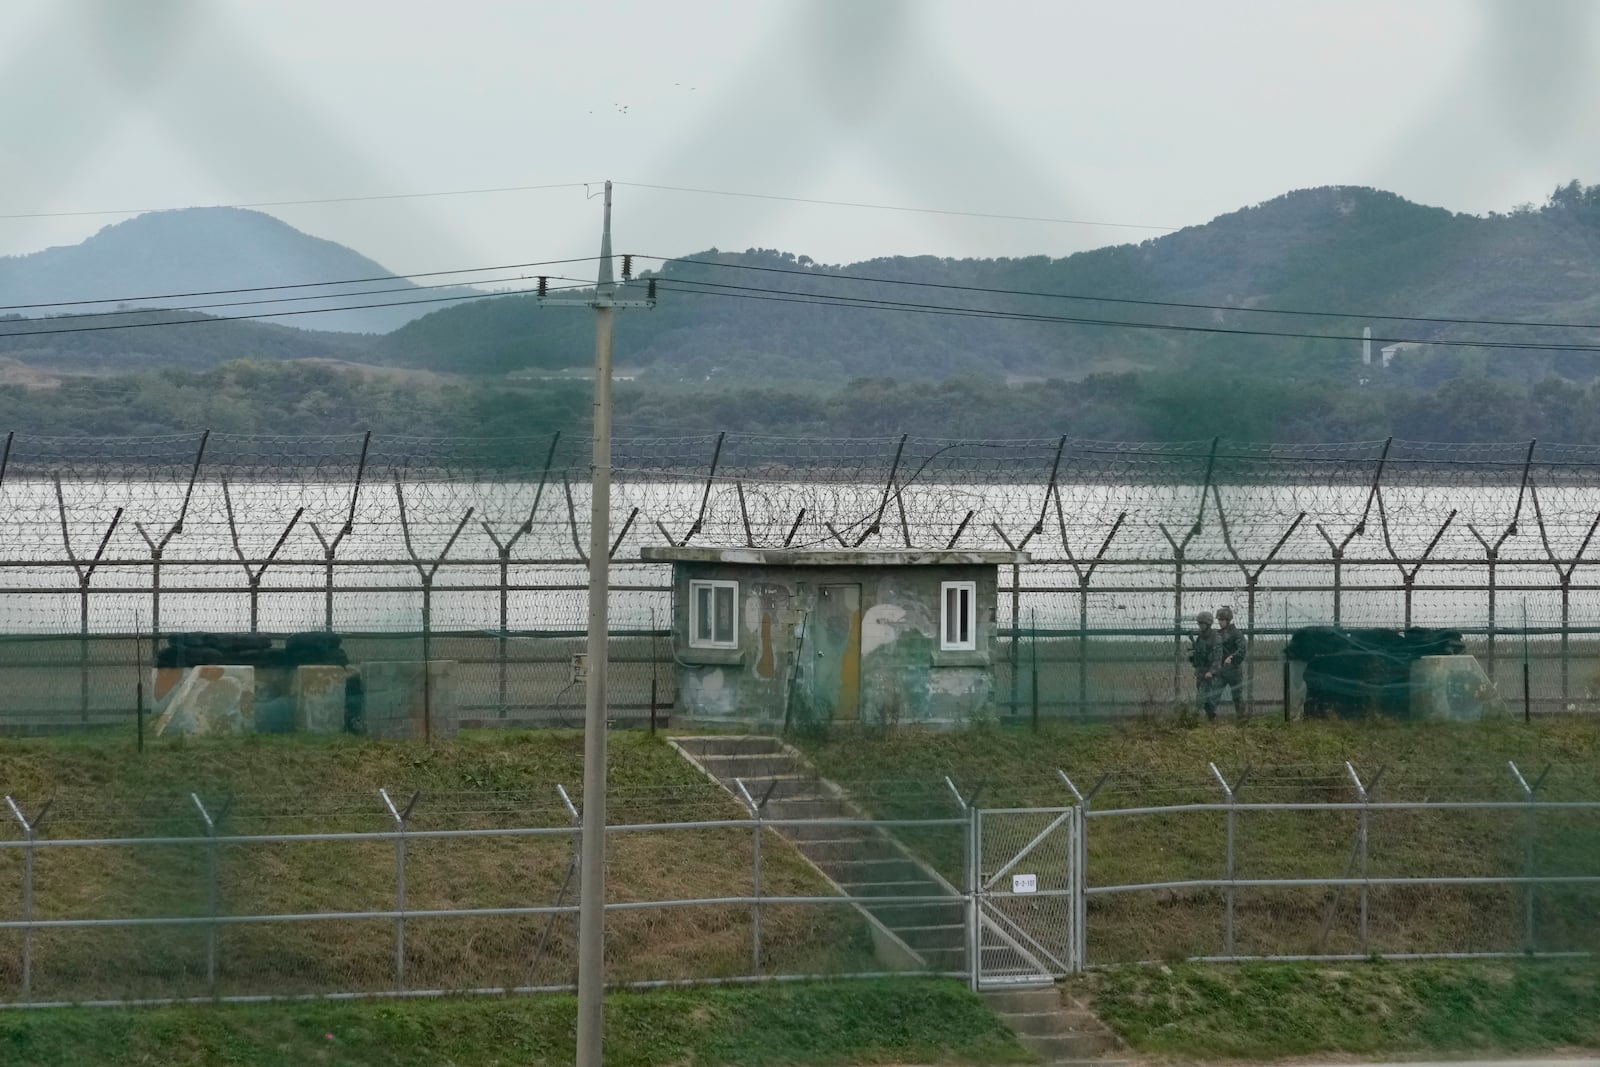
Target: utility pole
[{"x": 592, "y": 843}]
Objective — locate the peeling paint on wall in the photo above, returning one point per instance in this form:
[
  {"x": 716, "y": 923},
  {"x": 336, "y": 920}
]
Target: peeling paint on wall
[
  {"x": 707, "y": 691},
  {"x": 880, "y": 625},
  {"x": 764, "y": 662},
  {"x": 836, "y": 642}
]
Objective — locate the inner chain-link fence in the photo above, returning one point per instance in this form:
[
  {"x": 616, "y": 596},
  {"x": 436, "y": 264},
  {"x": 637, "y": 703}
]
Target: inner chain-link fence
[
  {"x": 182, "y": 896},
  {"x": 473, "y": 550}
]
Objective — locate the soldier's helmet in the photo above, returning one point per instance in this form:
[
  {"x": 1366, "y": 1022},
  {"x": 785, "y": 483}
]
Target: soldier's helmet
[
  {"x": 1204, "y": 618},
  {"x": 1225, "y": 613}
]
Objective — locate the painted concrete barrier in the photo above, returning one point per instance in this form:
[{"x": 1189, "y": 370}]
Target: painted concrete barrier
[
  {"x": 214, "y": 699},
  {"x": 394, "y": 699},
  {"x": 1453, "y": 688}
]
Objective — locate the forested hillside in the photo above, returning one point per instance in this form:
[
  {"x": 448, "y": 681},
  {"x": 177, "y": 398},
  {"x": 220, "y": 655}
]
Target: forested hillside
[
  {"x": 773, "y": 342},
  {"x": 308, "y": 397},
  {"x": 1350, "y": 256}
]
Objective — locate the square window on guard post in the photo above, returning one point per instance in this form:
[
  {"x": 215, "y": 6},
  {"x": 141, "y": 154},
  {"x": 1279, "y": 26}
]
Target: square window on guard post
[
  {"x": 957, "y": 616},
  {"x": 713, "y": 614}
]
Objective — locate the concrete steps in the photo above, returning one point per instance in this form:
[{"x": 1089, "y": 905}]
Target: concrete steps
[
  {"x": 866, "y": 865},
  {"x": 871, "y": 868},
  {"x": 1060, "y": 1032}
]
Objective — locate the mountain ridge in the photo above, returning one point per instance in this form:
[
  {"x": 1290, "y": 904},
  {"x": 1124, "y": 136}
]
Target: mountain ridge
[
  {"x": 151, "y": 260},
  {"x": 1360, "y": 256}
]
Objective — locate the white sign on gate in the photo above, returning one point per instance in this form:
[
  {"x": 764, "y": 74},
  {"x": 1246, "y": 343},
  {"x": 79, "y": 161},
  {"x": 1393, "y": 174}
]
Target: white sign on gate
[{"x": 1024, "y": 883}]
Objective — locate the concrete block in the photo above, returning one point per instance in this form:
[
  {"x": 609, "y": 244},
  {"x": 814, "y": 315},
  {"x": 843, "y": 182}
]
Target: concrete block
[
  {"x": 319, "y": 699},
  {"x": 216, "y": 700},
  {"x": 401, "y": 699},
  {"x": 274, "y": 700},
  {"x": 1452, "y": 688}
]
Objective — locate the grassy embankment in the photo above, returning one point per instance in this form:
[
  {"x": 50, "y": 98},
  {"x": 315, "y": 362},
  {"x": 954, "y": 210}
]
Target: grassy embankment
[
  {"x": 901, "y": 774},
  {"x": 289, "y": 784},
  {"x": 1262, "y": 1011},
  {"x": 813, "y": 1024}
]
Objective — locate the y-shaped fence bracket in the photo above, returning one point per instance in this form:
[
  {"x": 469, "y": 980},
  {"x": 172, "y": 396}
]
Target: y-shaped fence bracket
[
  {"x": 1231, "y": 791},
  {"x": 566, "y": 883},
  {"x": 1530, "y": 793},
  {"x": 1050, "y": 490},
  {"x": 705, "y": 496},
  {"x": 758, "y": 809},
  {"x": 1358, "y": 856},
  {"x": 30, "y": 830}
]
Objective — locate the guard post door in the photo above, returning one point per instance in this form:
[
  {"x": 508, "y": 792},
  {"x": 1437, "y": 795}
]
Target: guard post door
[{"x": 834, "y": 660}]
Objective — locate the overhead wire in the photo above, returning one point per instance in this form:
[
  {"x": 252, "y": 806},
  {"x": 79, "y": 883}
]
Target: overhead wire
[
  {"x": 34, "y": 326},
  {"x": 5, "y": 334},
  {"x": 703, "y": 288},
  {"x": 197, "y": 308},
  {"x": 298, "y": 285},
  {"x": 996, "y": 291},
  {"x": 868, "y": 303}
]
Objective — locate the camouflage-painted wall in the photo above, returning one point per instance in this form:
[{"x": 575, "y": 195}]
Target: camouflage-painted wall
[{"x": 834, "y": 637}]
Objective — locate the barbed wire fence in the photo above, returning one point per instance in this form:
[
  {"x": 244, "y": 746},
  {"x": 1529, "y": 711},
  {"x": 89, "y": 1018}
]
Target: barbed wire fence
[{"x": 474, "y": 550}]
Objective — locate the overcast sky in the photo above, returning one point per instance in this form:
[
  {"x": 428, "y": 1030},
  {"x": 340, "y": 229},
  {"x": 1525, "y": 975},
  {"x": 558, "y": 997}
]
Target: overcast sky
[{"x": 1161, "y": 113}]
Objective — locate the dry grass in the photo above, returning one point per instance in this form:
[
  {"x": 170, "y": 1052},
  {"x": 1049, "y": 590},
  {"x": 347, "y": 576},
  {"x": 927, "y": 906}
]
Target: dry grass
[
  {"x": 902, "y": 775},
  {"x": 297, "y": 785}
]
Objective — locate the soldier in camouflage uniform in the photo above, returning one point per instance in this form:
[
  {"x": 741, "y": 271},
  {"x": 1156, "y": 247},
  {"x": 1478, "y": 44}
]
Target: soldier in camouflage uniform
[
  {"x": 1231, "y": 652},
  {"x": 1205, "y": 656}
]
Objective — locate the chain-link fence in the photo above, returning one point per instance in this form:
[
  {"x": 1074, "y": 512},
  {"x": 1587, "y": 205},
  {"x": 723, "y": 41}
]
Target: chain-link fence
[
  {"x": 473, "y": 550},
  {"x": 1295, "y": 863},
  {"x": 396, "y": 894},
  {"x": 400, "y": 894}
]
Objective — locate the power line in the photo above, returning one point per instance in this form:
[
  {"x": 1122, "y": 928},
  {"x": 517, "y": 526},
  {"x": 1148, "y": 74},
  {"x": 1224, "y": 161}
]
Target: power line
[
  {"x": 866, "y": 303},
  {"x": 703, "y": 288},
  {"x": 296, "y": 285},
  {"x": 899, "y": 207},
  {"x": 4, "y": 334},
  {"x": 299, "y": 203},
  {"x": 296, "y": 299},
  {"x": 1126, "y": 300}
]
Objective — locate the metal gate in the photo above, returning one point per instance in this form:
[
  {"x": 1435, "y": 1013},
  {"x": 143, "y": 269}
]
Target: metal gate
[{"x": 1026, "y": 913}]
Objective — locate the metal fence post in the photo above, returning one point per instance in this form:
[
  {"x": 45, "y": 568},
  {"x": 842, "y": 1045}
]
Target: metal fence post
[
  {"x": 1364, "y": 796},
  {"x": 1232, "y": 793},
  {"x": 30, "y": 830},
  {"x": 969, "y": 837},
  {"x": 1016, "y": 630},
  {"x": 503, "y": 647},
  {"x": 400, "y": 818},
  {"x": 1085, "y": 575},
  {"x": 757, "y": 807},
  {"x": 1530, "y": 794},
  {"x": 1033, "y": 683},
  {"x": 85, "y": 571},
  {"x": 427, "y": 657},
  {"x": 1083, "y": 647},
  {"x": 1566, "y": 637},
  {"x": 1177, "y": 619},
  {"x": 1078, "y": 957},
  {"x": 211, "y": 893}
]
